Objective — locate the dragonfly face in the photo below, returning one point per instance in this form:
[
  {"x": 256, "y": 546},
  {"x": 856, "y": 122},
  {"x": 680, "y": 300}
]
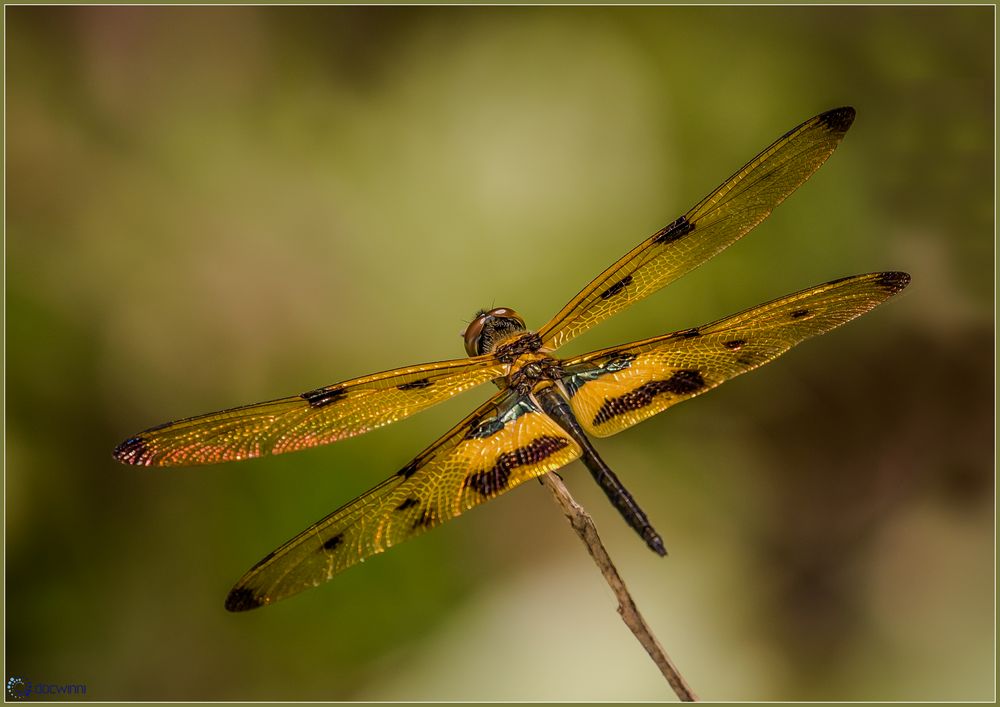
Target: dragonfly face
[
  {"x": 547, "y": 408},
  {"x": 490, "y": 329}
]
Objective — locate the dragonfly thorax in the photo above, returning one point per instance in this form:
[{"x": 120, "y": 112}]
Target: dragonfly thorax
[{"x": 531, "y": 369}]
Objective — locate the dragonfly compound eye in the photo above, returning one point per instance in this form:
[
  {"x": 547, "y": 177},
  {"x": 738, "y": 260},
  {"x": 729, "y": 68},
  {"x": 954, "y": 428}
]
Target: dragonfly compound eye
[{"x": 490, "y": 327}]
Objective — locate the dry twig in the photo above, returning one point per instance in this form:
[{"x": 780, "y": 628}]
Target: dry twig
[{"x": 584, "y": 526}]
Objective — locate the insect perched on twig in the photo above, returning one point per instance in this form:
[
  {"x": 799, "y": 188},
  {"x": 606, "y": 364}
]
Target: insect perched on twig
[{"x": 547, "y": 408}]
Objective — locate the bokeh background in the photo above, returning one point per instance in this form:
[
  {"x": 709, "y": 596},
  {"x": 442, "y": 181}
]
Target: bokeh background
[{"x": 212, "y": 206}]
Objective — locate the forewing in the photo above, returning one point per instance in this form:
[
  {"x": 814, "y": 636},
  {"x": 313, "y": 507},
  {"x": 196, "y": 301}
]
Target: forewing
[
  {"x": 729, "y": 212},
  {"x": 505, "y": 442},
  {"x": 310, "y": 419},
  {"x": 615, "y": 388}
]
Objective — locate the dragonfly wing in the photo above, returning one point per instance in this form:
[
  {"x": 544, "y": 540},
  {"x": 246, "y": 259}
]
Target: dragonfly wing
[
  {"x": 505, "y": 442},
  {"x": 721, "y": 218},
  {"x": 613, "y": 389},
  {"x": 310, "y": 419}
]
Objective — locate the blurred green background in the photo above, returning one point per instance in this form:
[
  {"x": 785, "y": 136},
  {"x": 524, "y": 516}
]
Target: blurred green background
[{"x": 212, "y": 206}]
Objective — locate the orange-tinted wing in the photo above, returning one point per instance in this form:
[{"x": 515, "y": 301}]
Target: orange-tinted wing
[
  {"x": 313, "y": 418},
  {"x": 729, "y": 212},
  {"x": 506, "y": 441},
  {"x": 613, "y": 389}
]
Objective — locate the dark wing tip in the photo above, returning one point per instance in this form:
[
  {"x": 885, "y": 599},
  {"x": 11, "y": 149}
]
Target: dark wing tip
[
  {"x": 243, "y": 599},
  {"x": 893, "y": 282},
  {"x": 134, "y": 450},
  {"x": 839, "y": 119}
]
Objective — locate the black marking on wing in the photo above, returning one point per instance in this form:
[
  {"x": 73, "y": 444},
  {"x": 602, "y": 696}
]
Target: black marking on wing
[
  {"x": 689, "y": 333},
  {"x": 134, "y": 450},
  {"x": 838, "y": 119},
  {"x": 673, "y": 231},
  {"x": 242, "y": 599},
  {"x": 410, "y": 469},
  {"x": 682, "y": 382},
  {"x": 425, "y": 519},
  {"x": 893, "y": 282},
  {"x": 799, "y": 313},
  {"x": 734, "y": 344},
  {"x": 333, "y": 542},
  {"x": 413, "y": 385},
  {"x": 408, "y": 503},
  {"x": 617, "y": 288},
  {"x": 496, "y": 478},
  {"x": 321, "y": 397}
]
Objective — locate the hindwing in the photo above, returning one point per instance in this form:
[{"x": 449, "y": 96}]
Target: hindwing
[
  {"x": 613, "y": 389},
  {"x": 505, "y": 442}
]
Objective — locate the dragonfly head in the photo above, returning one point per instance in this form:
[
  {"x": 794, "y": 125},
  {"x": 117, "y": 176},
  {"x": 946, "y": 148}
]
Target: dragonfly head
[{"x": 490, "y": 329}]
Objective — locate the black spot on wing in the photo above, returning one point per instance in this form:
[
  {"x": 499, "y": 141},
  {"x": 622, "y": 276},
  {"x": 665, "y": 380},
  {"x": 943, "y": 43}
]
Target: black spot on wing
[
  {"x": 410, "y": 469},
  {"x": 321, "y": 397},
  {"x": 682, "y": 382},
  {"x": 617, "y": 288},
  {"x": 426, "y": 519},
  {"x": 414, "y": 385},
  {"x": 495, "y": 479},
  {"x": 893, "y": 282},
  {"x": 799, "y": 313},
  {"x": 838, "y": 119},
  {"x": 134, "y": 450},
  {"x": 333, "y": 542},
  {"x": 242, "y": 599},
  {"x": 689, "y": 333},
  {"x": 674, "y": 231},
  {"x": 734, "y": 344},
  {"x": 408, "y": 503}
]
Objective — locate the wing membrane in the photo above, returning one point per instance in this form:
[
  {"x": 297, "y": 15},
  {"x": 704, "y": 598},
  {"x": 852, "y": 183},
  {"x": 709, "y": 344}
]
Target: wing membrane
[
  {"x": 310, "y": 419},
  {"x": 505, "y": 442},
  {"x": 721, "y": 218},
  {"x": 616, "y": 388}
]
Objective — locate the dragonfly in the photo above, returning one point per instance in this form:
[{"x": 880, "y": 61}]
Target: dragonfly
[{"x": 547, "y": 409}]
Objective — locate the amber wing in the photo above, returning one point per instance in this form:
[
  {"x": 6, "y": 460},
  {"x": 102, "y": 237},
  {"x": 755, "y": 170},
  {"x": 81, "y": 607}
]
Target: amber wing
[
  {"x": 310, "y": 419},
  {"x": 505, "y": 442},
  {"x": 725, "y": 215},
  {"x": 613, "y": 389}
]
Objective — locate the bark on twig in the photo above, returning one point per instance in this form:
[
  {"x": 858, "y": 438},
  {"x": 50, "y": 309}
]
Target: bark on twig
[{"x": 584, "y": 526}]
